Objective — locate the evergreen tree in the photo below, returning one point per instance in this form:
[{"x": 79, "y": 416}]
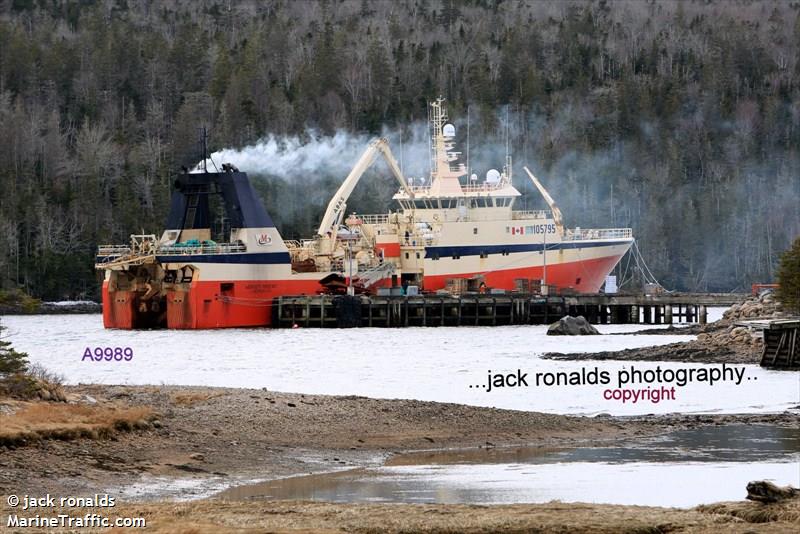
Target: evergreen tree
[
  {"x": 11, "y": 361},
  {"x": 788, "y": 277}
]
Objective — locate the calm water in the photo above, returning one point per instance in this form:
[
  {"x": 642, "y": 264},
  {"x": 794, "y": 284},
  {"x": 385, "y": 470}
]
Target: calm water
[
  {"x": 436, "y": 364},
  {"x": 682, "y": 469}
]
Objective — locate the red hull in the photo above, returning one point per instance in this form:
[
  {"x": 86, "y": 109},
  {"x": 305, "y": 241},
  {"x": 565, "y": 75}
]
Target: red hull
[
  {"x": 241, "y": 304},
  {"x": 586, "y": 276},
  {"x": 119, "y": 308},
  {"x": 247, "y": 303}
]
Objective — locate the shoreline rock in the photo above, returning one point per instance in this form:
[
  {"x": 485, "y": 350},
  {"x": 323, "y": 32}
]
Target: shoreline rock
[
  {"x": 52, "y": 308},
  {"x": 572, "y": 326}
]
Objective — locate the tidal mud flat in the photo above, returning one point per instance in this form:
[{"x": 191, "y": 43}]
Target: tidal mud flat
[{"x": 199, "y": 440}]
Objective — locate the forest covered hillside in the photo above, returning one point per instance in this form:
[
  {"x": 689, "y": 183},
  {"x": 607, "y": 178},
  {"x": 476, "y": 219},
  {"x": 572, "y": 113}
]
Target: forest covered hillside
[{"x": 678, "y": 119}]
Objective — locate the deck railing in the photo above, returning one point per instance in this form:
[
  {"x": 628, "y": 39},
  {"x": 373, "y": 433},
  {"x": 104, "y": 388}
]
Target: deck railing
[
  {"x": 215, "y": 248},
  {"x": 580, "y": 234},
  {"x": 113, "y": 250},
  {"x": 480, "y": 187},
  {"x": 374, "y": 218},
  {"x": 117, "y": 251},
  {"x": 530, "y": 214}
]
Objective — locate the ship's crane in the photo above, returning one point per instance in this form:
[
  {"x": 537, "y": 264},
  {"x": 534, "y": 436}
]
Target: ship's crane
[
  {"x": 557, "y": 218},
  {"x": 336, "y": 207}
]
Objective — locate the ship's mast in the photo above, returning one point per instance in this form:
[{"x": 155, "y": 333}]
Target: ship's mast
[
  {"x": 508, "y": 149},
  {"x": 469, "y": 171},
  {"x": 444, "y": 176},
  {"x": 437, "y": 118}
]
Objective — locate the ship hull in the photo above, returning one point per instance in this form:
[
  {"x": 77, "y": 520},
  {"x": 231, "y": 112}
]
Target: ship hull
[
  {"x": 205, "y": 304},
  {"x": 586, "y": 276},
  {"x": 583, "y": 269}
]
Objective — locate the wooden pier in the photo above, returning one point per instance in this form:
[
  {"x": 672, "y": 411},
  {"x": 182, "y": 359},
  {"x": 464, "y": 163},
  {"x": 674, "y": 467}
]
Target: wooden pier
[
  {"x": 781, "y": 341},
  {"x": 340, "y": 311}
]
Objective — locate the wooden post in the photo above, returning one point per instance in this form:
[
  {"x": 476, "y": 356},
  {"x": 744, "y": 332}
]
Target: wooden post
[
  {"x": 668, "y": 314},
  {"x": 792, "y": 345},
  {"x": 779, "y": 347},
  {"x": 703, "y": 319}
]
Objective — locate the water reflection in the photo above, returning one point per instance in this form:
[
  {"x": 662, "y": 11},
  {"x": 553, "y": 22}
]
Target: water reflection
[
  {"x": 735, "y": 443},
  {"x": 681, "y": 469}
]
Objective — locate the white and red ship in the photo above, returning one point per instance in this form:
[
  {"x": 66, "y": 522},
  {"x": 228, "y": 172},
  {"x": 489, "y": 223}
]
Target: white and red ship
[{"x": 454, "y": 227}]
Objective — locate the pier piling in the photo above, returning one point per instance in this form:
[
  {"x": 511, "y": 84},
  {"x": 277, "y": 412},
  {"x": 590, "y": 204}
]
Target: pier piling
[{"x": 328, "y": 311}]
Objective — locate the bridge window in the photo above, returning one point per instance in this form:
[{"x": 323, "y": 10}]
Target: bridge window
[{"x": 475, "y": 231}]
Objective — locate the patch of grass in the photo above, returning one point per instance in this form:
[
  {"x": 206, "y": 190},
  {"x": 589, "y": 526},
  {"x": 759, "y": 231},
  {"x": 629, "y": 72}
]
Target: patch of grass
[
  {"x": 190, "y": 399},
  {"x": 32, "y": 421},
  {"x": 753, "y": 512}
]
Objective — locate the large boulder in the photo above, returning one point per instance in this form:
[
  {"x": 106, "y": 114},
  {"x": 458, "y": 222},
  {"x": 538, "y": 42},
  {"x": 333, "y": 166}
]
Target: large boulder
[
  {"x": 765, "y": 491},
  {"x": 572, "y": 326}
]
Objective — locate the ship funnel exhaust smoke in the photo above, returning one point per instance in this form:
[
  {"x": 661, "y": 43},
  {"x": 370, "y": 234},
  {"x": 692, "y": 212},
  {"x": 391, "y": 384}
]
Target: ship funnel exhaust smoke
[{"x": 314, "y": 155}]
